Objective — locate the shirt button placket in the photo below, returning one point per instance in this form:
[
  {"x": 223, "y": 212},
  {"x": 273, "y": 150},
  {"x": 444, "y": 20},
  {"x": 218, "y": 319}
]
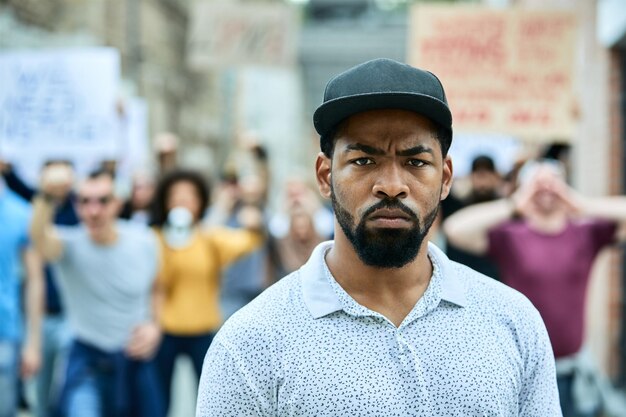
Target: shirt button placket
[{"x": 411, "y": 364}]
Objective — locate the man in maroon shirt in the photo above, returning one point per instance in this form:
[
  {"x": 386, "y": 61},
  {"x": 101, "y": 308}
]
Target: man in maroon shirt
[{"x": 544, "y": 240}]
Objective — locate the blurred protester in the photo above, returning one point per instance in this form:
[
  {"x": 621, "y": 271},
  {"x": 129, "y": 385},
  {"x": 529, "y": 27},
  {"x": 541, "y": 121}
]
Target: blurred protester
[
  {"x": 544, "y": 240},
  {"x": 166, "y": 146},
  {"x": 106, "y": 269},
  {"x": 299, "y": 195},
  {"x": 137, "y": 207},
  {"x": 298, "y": 228},
  {"x": 56, "y": 338},
  {"x": 14, "y": 221},
  {"x": 193, "y": 260},
  {"x": 485, "y": 185},
  {"x": 57, "y": 170},
  {"x": 292, "y": 251},
  {"x": 247, "y": 277},
  {"x": 109, "y": 166},
  {"x": 561, "y": 152}
]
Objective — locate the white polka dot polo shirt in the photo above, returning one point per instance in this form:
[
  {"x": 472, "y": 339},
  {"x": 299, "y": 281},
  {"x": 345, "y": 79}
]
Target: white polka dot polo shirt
[{"x": 470, "y": 347}]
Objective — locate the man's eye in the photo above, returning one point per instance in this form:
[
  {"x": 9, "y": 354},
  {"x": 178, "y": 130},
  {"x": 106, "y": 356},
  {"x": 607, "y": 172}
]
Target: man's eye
[
  {"x": 417, "y": 162},
  {"x": 362, "y": 161}
]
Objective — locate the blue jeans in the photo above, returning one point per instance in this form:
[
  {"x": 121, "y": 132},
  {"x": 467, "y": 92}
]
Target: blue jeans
[
  {"x": 102, "y": 384},
  {"x": 195, "y": 347},
  {"x": 566, "y": 397},
  {"x": 9, "y": 355}
]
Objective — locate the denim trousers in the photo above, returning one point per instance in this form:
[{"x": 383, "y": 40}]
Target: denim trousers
[
  {"x": 566, "y": 397},
  {"x": 104, "y": 384},
  {"x": 172, "y": 346},
  {"x": 9, "y": 355}
]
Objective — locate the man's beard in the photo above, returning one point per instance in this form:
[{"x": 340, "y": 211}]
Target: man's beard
[{"x": 380, "y": 247}]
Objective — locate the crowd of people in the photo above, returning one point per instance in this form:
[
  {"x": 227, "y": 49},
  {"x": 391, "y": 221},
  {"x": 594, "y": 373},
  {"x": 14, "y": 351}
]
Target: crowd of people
[{"x": 101, "y": 294}]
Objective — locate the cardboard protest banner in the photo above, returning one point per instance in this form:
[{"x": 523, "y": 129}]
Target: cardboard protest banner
[
  {"x": 233, "y": 33},
  {"x": 505, "y": 71},
  {"x": 59, "y": 104}
]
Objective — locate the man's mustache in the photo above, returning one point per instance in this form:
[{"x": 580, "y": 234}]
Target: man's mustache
[{"x": 391, "y": 203}]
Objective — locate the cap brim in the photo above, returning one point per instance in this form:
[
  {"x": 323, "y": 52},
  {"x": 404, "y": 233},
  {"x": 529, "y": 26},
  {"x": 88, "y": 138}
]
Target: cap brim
[{"x": 332, "y": 112}]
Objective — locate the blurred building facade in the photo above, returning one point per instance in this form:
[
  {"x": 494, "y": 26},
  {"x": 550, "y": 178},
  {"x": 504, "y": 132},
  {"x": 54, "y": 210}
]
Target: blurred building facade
[
  {"x": 611, "y": 22},
  {"x": 150, "y": 36}
]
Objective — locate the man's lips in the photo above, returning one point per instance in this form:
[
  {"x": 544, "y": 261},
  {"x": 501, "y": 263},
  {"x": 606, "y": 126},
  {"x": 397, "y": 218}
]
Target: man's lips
[{"x": 390, "y": 218}]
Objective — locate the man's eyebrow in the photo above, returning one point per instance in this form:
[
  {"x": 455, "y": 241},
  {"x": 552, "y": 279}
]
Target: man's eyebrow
[
  {"x": 416, "y": 150},
  {"x": 370, "y": 150}
]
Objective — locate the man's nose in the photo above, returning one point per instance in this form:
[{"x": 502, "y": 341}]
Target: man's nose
[
  {"x": 94, "y": 208},
  {"x": 391, "y": 184}
]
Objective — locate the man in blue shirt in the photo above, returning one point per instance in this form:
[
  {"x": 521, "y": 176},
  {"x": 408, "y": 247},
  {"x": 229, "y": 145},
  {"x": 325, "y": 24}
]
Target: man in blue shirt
[
  {"x": 56, "y": 335},
  {"x": 14, "y": 222},
  {"x": 379, "y": 322}
]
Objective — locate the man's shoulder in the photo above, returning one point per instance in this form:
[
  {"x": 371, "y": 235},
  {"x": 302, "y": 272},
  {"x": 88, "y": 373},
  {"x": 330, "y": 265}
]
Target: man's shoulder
[{"x": 491, "y": 296}]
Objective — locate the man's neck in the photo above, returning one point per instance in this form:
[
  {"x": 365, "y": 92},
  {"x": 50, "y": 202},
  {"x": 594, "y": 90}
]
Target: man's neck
[
  {"x": 106, "y": 236},
  {"x": 393, "y": 292}
]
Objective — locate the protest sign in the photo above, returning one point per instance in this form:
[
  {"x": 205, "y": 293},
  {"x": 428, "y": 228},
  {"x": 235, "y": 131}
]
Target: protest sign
[
  {"x": 59, "y": 104},
  {"x": 135, "y": 147},
  {"x": 505, "y": 71},
  {"x": 233, "y": 33}
]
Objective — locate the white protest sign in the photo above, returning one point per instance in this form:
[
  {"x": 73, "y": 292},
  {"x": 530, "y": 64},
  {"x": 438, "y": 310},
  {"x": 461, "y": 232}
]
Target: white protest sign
[
  {"x": 135, "y": 146},
  {"x": 59, "y": 104}
]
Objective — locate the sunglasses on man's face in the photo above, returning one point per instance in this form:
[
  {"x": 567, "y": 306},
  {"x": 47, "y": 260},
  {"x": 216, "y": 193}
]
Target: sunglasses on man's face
[{"x": 101, "y": 201}]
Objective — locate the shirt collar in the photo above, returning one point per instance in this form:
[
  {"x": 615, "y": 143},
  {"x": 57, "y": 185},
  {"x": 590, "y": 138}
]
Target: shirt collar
[
  {"x": 452, "y": 288},
  {"x": 321, "y": 299},
  {"x": 319, "y": 296}
]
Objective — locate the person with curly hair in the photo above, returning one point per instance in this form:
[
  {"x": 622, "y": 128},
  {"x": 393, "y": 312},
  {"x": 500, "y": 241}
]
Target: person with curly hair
[{"x": 193, "y": 258}]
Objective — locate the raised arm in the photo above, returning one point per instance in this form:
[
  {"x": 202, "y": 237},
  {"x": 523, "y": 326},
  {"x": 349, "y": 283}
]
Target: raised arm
[
  {"x": 35, "y": 289},
  {"x": 15, "y": 183},
  {"x": 42, "y": 231},
  {"x": 612, "y": 208},
  {"x": 608, "y": 208},
  {"x": 53, "y": 189},
  {"x": 468, "y": 228}
]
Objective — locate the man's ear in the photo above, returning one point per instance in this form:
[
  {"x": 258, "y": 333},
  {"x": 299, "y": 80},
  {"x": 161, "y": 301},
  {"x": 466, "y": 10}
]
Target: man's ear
[
  {"x": 322, "y": 174},
  {"x": 446, "y": 183}
]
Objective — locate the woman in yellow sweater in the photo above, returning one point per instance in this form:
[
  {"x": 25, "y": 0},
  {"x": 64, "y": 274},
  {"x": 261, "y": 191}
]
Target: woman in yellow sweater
[{"x": 192, "y": 261}]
